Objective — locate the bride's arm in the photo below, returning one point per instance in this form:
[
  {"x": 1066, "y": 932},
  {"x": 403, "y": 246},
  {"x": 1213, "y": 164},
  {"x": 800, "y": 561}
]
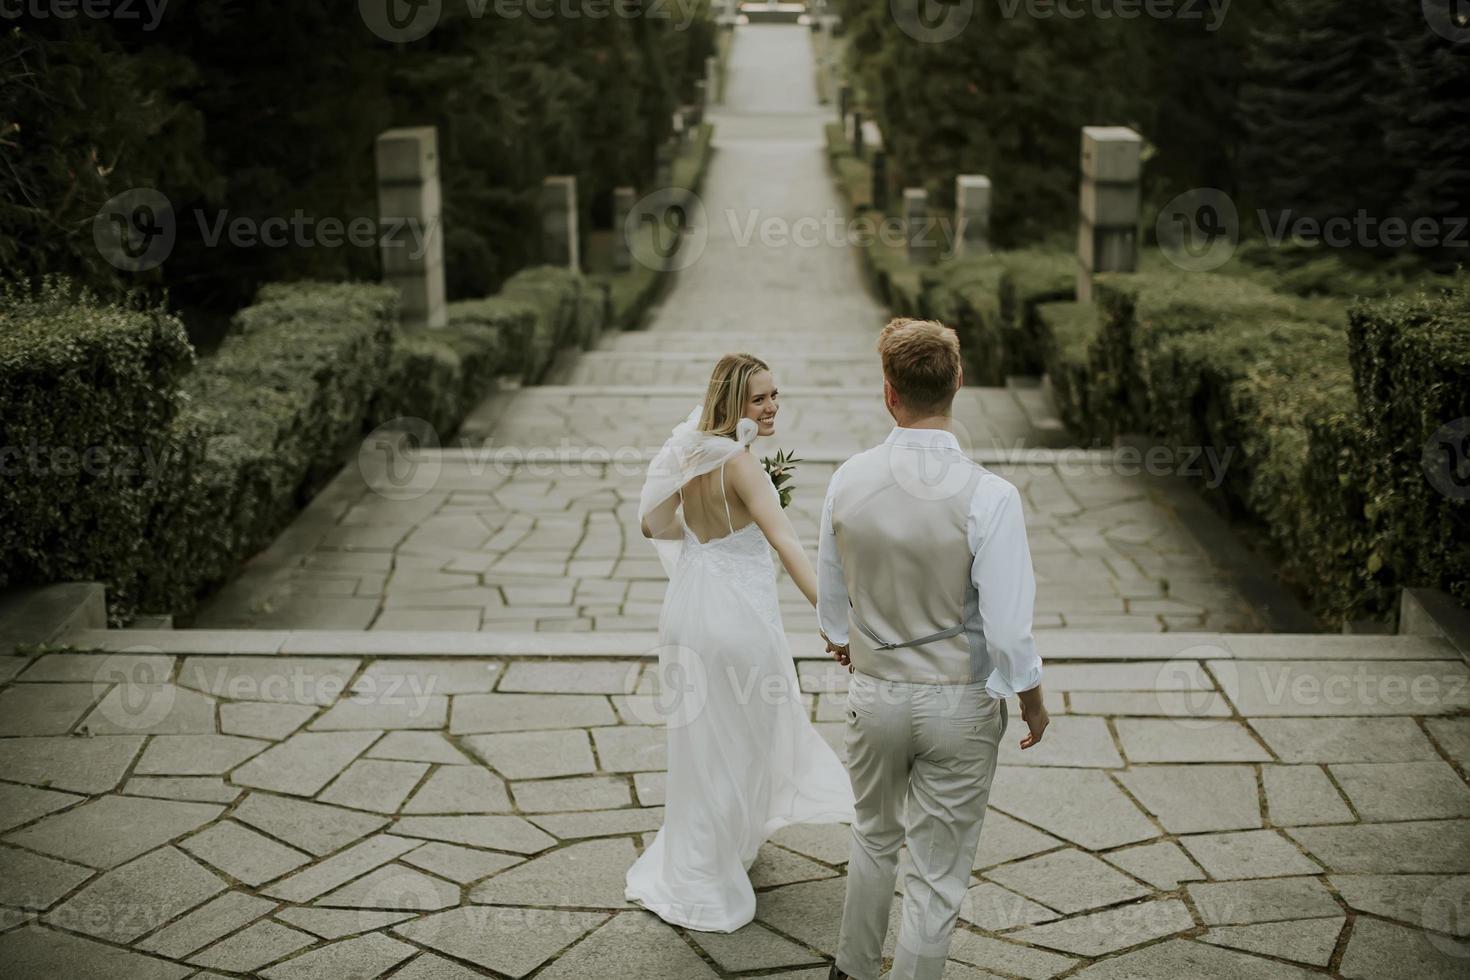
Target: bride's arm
[
  {"x": 751, "y": 484},
  {"x": 663, "y": 521}
]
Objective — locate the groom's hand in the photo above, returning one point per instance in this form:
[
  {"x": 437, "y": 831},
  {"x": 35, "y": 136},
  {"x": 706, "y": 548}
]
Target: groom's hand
[
  {"x": 839, "y": 653},
  {"x": 1033, "y": 713}
]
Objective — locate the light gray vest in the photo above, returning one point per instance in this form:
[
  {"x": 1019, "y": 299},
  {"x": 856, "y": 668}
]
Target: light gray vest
[{"x": 900, "y": 515}]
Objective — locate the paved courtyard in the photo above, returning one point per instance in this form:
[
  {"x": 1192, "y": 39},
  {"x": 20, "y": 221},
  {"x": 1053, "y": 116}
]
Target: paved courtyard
[{"x": 424, "y": 738}]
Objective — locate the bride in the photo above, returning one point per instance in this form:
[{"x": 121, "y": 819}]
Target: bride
[{"x": 744, "y": 759}]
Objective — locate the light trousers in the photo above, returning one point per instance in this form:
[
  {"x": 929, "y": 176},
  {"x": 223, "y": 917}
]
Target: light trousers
[{"x": 921, "y": 758}]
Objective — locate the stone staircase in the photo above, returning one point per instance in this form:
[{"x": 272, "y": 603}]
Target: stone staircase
[{"x": 421, "y": 735}]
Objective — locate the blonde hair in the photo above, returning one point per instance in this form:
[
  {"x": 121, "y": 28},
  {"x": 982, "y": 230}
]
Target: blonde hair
[
  {"x": 729, "y": 387},
  {"x": 921, "y": 360}
]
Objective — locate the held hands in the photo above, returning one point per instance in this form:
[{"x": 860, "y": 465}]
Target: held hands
[
  {"x": 839, "y": 653},
  {"x": 1033, "y": 713}
]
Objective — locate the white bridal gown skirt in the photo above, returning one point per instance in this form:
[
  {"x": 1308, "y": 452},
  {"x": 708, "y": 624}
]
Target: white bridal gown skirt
[{"x": 744, "y": 759}]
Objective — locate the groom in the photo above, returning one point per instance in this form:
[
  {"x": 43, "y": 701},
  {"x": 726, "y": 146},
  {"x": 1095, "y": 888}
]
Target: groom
[{"x": 923, "y": 552}]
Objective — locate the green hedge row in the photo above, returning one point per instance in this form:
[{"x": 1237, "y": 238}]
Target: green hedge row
[
  {"x": 1411, "y": 373},
  {"x": 1064, "y": 334},
  {"x": 120, "y": 464},
  {"x": 269, "y": 419},
  {"x": 88, "y": 395},
  {"x": 1336, "y": 437},
  {"x": 1328, "y": 438},
  {"x": 192, "y": 472}
]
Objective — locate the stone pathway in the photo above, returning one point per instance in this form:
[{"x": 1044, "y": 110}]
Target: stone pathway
[{"x": 428, "y": 805}]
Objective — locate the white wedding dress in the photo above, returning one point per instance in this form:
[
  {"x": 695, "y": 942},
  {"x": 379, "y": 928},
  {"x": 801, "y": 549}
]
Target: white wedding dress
[{"x": 744, "y": 759}]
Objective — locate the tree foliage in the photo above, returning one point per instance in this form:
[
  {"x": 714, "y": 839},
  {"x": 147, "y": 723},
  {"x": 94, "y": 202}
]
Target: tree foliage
[
  {"x": 269, "y": 109},
  {"x": 1319, "y": 107}
]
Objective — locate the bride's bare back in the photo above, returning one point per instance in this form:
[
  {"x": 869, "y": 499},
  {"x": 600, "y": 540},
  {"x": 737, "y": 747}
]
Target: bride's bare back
[{"x": 705, "y": 500}]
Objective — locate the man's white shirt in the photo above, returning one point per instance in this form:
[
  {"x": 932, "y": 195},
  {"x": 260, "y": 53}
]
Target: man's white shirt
[{"x": 1001, "y": 571}]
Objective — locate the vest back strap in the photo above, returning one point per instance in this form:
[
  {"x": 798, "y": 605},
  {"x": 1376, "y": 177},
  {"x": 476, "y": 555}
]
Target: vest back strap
[{"x": 882, "y": 644}]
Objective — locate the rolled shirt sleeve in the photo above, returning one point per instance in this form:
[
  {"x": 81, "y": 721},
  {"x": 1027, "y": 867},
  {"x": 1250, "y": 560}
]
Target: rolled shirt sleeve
[
  {"x": 1006, "y": 585},
  {"x": 832, "y": 598}
]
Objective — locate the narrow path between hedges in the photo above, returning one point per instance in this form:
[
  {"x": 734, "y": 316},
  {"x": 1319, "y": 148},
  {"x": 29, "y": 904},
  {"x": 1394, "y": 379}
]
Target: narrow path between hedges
[{"x": 536, "y": 547}]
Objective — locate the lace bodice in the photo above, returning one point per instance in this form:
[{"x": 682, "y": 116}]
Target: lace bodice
[{"x": 743, "y": 558}]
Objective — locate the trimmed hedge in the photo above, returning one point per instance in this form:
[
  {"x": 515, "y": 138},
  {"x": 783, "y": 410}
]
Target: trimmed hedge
[
  {"x": 221, "y": 459},
  {"x": 965, "y": 296},
  {"x": 1140, "y": 312},
  {"x": 439, "y": 375},
  {"x": 1065, "y": 333},
  {"x": 569, "y": 311},
  {"x": 88, "y": 393},
  {"x": 270, "y": 418},
  {"x": 1032, "y": 277},
  {"x": 1411, "y": 370},
  {"x": 1326, "y": 428}
]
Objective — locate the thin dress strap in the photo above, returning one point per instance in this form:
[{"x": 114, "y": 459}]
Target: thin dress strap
[{"x": 723, "y": 496}]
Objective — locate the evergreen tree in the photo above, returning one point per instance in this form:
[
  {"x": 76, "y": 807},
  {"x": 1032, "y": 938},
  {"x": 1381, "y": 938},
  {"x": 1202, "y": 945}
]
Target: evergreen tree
[
  {"x": 1429, "y": 125},
  {"x": 1314, "y": 132}
]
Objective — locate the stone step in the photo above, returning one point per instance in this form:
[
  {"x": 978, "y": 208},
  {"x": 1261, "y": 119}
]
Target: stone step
[
  {"x": 1037, "y": 405},
  {"x": 707, "y": 345},
  {"x": 858, "y": 370},
  {"x": 42, "y": 613},
  {"x": 813, "y": 419},
  {"x": 1055, "y": 646},
  {"x": 474, "y": 461}
]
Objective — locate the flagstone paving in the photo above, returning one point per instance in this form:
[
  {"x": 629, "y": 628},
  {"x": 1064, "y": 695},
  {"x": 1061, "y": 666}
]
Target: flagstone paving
[
  {"x": 503, "y": 854},
  {"x": 1243, "y": 807}
]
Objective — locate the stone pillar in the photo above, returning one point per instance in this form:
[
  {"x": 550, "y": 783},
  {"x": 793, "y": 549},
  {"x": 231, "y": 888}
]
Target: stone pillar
[
  {"x": 1107, "y": 224},
  {"x": 857, "y": 134},
  {"x": 971, "y": 215},
  {"x": 622, "y": 255},
  {"x": 412, "y": 234},
  {"x": 559, "y": 239},
  {"x": 712, "y": 92},
  {"x": 879, "y": 190},
  {"x": 844, "y": 102},
  {"x": 920, "y": 236}
]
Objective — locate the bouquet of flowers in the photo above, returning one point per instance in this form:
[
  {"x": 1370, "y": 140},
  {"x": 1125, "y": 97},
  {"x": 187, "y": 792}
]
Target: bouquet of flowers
[{"x": 780, "y": 468}]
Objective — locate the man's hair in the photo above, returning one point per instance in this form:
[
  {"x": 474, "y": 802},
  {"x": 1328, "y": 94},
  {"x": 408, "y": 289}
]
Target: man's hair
[{"x": 921, "y": 360}]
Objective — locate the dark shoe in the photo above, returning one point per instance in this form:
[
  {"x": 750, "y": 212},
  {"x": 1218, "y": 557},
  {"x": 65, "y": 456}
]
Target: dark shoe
[{"x": 836, "y": 974}]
